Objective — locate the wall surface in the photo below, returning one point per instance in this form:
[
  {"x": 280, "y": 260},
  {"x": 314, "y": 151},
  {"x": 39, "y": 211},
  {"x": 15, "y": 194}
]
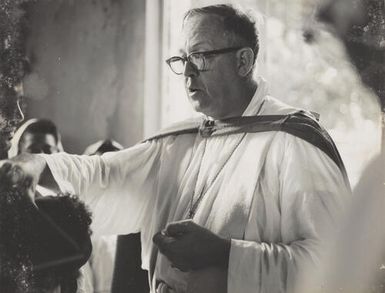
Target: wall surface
[{"x": 87, "y": 61}]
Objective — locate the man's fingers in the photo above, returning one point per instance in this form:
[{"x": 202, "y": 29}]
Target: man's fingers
[
  {"x": 162, "y": 241},
  {"x": 157, "y": 238},
  {"x": 179, "y": 228},
  {"x": 181, "y": 267}
]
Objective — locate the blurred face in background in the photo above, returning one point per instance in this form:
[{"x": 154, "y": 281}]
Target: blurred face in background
[
  {"x": 10, "y": 116},
  {"x": 38, "y": 143}
]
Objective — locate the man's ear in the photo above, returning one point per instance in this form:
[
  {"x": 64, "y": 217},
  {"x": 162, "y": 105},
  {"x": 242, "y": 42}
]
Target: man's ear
[{"x": 245, "y": 57}]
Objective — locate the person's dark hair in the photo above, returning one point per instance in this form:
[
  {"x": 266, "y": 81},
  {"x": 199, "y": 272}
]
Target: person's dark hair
[
  {"x": 102, "y": 146},
  {"x": 72, "y": 218},
  {"x": 108, "y": 146},
  {"x": 238, "y": 24},
  {"x": 42, "y": 246},
  {"x": 43, "y": 126}
]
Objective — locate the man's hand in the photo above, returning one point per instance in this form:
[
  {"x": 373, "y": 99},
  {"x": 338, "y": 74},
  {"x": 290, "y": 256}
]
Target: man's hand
[
  {"x": 23, "y": 171},
  {"x": 189, "y": 246}
]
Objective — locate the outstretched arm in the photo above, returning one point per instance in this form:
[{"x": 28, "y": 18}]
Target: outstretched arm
[{"x": 113, "y": 186}]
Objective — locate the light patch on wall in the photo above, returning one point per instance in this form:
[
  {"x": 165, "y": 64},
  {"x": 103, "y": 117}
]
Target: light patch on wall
[
  {"x": 104, "y": 101},
  {"x": 35, "y": 87}
]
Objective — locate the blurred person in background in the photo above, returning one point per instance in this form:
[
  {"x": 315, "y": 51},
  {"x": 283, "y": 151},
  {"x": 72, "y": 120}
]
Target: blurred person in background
[
  {"x": 239, "y": 200},
  {"x": 43, "y": 241},
  {"x": 102, "y": 146},
  {"x": 356, "y": 263},
  {"x": 36, "y": 136}
]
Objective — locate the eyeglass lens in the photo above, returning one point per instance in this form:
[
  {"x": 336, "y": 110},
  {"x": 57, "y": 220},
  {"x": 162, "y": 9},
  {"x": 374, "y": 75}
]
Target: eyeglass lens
[{"x": 198, "y": 62}]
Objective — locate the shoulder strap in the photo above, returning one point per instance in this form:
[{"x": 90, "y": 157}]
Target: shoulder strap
[
  {"x": 179, "y": 128},
  {"x": 300, "y": 124}
]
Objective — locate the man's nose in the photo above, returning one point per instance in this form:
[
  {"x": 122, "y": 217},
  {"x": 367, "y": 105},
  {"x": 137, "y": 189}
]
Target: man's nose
[{"x": 190, "y": 69}]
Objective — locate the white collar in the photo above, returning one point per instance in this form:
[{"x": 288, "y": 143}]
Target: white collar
[{"x": 256, "y": 102}]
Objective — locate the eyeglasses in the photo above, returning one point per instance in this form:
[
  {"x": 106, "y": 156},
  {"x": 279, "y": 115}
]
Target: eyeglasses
[{"x": 197, "y": 59}]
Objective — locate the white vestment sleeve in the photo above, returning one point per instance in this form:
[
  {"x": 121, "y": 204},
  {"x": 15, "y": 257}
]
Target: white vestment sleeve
[
  {"x": 310, "y": 192},
  {"x": 118, "y": 187}
]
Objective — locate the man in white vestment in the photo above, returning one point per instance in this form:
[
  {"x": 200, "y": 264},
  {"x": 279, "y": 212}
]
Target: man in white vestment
[{"x": 227, "y": 207}]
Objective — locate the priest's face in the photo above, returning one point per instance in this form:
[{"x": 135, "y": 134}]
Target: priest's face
[
  {"x": 10, "y": 116},
  {"x": 211, "y": 90}
]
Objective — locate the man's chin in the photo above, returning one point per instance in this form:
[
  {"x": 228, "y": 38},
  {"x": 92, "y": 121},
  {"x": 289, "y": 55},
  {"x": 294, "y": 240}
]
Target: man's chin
[
  {"x": 204, "y": 110},
  {"x": 201, "y": 110},
  {"x": 198, "y": 106}
]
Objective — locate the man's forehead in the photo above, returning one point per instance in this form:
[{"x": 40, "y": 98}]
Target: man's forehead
[{"x": 203, "y": 31}]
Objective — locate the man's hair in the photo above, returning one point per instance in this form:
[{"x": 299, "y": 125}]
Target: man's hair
[{"x": 238, "y": 24}]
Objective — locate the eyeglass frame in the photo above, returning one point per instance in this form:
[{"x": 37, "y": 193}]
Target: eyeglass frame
[{"x": 210, "y": 53}]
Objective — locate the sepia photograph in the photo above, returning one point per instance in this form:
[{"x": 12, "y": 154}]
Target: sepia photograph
[{"x": 192, "y": 146}]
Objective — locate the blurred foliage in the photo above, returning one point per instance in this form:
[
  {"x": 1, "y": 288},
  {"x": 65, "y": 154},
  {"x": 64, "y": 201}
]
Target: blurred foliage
[
  {"x": 363, "y": 34},
  {"x": 12, "y": 55},
  {"x": 308, "y": 66},
  {"x": 315, "y": 76}
]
